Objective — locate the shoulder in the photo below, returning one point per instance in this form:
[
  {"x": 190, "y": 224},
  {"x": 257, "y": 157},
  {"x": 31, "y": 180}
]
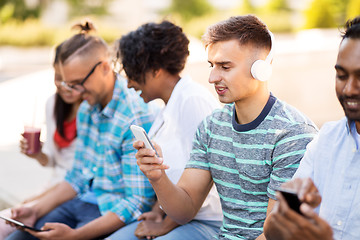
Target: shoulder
[
  {"x": 83, "y": 111},
  {"x": 220, "y": 118},
  {"x": 130, "y": 104},
  {"x": 127, "y": 98},
  {"x": 287, "y": 117},
  {"x": 50, "y": 102},
  {"x": 333, "y": 129},
  {"x": 129, "y": 108}
]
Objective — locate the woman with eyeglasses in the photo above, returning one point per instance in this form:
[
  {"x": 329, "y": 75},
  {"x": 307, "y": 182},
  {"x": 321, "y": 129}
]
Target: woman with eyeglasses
[{"x": 57, "y": 152}]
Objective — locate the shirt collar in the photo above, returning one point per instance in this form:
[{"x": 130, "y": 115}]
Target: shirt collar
[
  {"x": 347, "y": 123},
  {"x": 174, "y": 95},
  {"x": 254, "y": 124}
]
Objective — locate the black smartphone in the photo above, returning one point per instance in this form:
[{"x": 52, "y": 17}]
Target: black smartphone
[
  {"x": 292, "y": 199},
  {"x": 20, "y": 224}
]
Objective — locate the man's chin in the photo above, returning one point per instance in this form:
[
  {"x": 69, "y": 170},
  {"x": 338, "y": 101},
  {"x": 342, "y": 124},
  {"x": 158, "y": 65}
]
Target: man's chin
[
  {"x": 352, "y": 116},
  {"x": 224, "y": 100}
]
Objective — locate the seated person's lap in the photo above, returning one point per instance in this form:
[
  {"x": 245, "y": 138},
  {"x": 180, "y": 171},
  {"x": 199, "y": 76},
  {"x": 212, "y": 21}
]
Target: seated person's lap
[
  {"x": 195, "y": 230},
  {"x": 74, "y": 213}
]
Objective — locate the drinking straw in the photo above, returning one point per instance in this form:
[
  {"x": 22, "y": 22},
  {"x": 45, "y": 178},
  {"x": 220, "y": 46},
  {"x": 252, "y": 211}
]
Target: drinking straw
[{"x": 34, "y": 112}]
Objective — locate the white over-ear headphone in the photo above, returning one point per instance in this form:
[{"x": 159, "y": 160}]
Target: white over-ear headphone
[{"x": 261, "y": 69}]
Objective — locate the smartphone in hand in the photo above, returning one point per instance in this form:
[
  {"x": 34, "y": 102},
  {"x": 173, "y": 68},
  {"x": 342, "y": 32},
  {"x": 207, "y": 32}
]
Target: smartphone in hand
[
  {"x": 292, "y": 199},
  {"x": 140, "y": 134},
  {"x": 20, "y": 224}
]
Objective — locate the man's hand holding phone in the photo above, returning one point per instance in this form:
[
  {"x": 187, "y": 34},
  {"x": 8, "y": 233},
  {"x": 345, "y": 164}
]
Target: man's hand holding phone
[
  {"x": 149, "y": 155},
  {"x": 306, "y": 191},
  {"x": 284, "y": 222},
  {"x": 299, "y": 195},
  {"x": 22, "y": 218}
]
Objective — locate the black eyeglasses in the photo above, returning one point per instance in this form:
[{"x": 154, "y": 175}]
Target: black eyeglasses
[{"x": 79, "y": 86}]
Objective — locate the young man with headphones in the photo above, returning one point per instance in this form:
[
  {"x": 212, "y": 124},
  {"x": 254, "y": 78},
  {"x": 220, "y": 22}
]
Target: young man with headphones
[{"x": 247, "y": 148}]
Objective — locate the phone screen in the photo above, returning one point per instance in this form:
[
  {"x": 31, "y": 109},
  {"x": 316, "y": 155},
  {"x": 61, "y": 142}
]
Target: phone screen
[{"x": 291, "y": 199}]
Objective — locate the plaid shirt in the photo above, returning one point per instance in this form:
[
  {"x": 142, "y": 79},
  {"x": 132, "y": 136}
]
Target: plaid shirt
[{"x": 104, "y": 153}]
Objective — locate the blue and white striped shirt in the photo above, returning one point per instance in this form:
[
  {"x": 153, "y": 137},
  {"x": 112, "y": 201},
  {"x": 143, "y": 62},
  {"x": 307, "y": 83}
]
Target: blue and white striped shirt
[{"x": 104, "y": 153}]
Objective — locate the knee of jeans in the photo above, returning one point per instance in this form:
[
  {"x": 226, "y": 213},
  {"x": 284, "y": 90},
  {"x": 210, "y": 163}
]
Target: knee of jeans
[{"x": 21, "y": 235}]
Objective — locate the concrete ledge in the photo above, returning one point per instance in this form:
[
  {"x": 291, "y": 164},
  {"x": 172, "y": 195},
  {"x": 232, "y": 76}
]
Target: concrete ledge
[{"x": 21, "y": 177}]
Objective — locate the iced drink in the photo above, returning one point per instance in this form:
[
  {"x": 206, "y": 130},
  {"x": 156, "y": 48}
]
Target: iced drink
[{"x": 32, "y": 136}]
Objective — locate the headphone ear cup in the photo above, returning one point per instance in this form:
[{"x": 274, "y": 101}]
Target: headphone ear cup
[{"x": 261, "y": 70}]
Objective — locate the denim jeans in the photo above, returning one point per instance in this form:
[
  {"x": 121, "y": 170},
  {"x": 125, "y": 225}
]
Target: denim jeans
[
  {"x": 74, "y": 213},
  {"x": 194, "y": 230}
]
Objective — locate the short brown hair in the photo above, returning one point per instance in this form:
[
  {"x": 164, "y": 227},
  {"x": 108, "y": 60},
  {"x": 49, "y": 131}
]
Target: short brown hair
[{"x": 246, "y": 29}]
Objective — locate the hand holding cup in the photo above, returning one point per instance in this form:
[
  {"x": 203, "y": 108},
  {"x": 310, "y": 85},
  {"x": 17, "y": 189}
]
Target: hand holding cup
[{"x": 30, "y": 144}]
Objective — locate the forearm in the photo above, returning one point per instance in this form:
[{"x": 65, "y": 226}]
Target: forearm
[
  {"x": 270, "y": 231},
  {"x": 175, "y": 202},
  {"x": 53, "y": 198},
  {"x": 156, "y": 208},
  {"x": 100, "y": 227},
  {"x": 169, "y": 224},
  {"x": 271, "y": 204}
]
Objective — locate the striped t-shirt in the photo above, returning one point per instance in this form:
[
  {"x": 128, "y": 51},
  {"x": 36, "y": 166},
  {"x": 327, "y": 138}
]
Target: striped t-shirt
[{"x": 248, "y": 162}]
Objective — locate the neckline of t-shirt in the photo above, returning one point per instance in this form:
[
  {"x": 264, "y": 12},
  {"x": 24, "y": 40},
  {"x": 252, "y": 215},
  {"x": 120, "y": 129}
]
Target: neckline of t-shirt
[{"x": 252, "y": 125}]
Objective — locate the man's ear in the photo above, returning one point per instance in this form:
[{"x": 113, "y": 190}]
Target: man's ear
[{"x": 106, "y": 68}]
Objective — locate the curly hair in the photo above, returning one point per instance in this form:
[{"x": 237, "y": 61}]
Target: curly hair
[
  {"x": 151, "y": 47},
  {"x": 352, "y": 28}
]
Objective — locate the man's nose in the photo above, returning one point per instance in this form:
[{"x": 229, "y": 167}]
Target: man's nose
[
  {"x": 214, "y": 76},
  {"x": 352, "y": 86}
]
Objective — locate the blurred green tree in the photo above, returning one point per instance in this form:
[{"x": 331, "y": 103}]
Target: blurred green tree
[
  {"x": 338, "y": 9},
  {"x": 19, "y": 9},
  {"x": 353, "y": 9},
  {"x": 247, "y": 7},
  {"x": 6, "y": 12},
  {"x": 320, "y": 15},
  {"x": 189, "y": 9},
  {"x": 277, "y": 5},
  {"x": 22, "y": 9},
  {"x": 86, "y": 7},
  {"x": 277, "y": 15}
]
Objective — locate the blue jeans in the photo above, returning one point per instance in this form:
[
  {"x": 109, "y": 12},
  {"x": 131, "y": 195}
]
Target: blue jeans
[
  {"x": 196, "y": 229},
  {"x": 74, "y": 213}
]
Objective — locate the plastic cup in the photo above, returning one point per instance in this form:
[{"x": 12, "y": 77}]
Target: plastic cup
[{"x": 32, "y": 136}]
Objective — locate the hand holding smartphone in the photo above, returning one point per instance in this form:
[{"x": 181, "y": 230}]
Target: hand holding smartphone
[
  {"x": 20, "y": 224},
  {"x": 291, "y": 199},
  {"x": 140, "y": 134}
]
